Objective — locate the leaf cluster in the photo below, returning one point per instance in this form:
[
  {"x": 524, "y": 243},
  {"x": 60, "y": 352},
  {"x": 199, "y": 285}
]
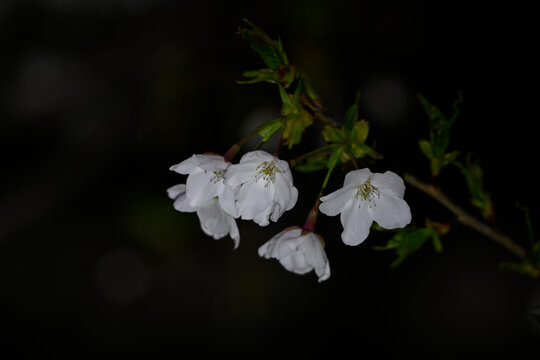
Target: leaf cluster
[
  {"x": 294, "y": 91},
  {"x": 346, "y": 143},
  {"x": 409, "y": 240},
  {"x": 473, "y": 174},
  {"x": 435, "y": 149}
]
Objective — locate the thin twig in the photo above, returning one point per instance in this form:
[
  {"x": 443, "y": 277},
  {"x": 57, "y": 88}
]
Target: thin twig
[{"x": 464, "y": 217}]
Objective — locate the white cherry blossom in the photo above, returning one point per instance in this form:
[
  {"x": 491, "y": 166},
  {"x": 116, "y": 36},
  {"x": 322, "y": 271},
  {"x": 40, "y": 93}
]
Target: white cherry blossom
[
  {"x": 205, "y": 181},
  {"x": 366, "y": 197},
  {"x": 263, "y": 185},
  {"x": 297, "y": 252},
  {"x": 206, "y": 194}
]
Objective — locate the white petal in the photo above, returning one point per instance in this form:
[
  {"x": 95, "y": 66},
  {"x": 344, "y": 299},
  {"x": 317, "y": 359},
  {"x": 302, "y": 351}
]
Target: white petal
[
  {"x": 181, "y": 202},
  {"x": 357, "y": 177},
  {"x": 288, "y": 243},
  {"x": 238, "y": 174},
  {"x": 214, "y": 221},
  {"x": 283, "y": 166},
  {"x": 188, "y": 165},
  {"x": 292, "y": 199},
  {"x": 389, "y": 182},
  {"x": 277, "y": 211},
  {"x": 267, "y": 249},
  {"x": 284, "y": 194},
  {"x": 390, "y": 211},
  {"x": 282, "y": 191},
  {"x": 200, "y": 187},
  {"x": 257, "y": 156},
  {"x": 333, "y": 203},
  {"x": 271, "y": 247},
  {"x": 212, "y": 162},
  {"x": 315, "y": 255},
  {"x": 253, "y": 198},
  {"x": 227, "y": 201},
  {"x": 262, "y": 218},
  {"x": 234, "y": 233},
  {"x": 356, "y": 221},
  {"x": 295, "y": 262},
  {"x": 176, "y": 190},
  {"x": 323, "y": 274},
  {"x": 312, "y": 249}
]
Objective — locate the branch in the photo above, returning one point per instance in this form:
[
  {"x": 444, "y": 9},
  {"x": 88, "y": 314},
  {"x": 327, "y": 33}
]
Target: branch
[{"x": 464, "y": 217}]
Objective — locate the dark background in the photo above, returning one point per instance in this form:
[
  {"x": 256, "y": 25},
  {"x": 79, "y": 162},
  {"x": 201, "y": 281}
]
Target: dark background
[{"x": 100, "y": 98}]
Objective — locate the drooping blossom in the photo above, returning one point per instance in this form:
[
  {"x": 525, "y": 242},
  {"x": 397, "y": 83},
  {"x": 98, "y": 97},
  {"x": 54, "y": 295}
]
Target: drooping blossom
[
  {"x": 366, "y": 197},
  {"x": 206, "y": 194},
  {"x": 297, "y": 252}
]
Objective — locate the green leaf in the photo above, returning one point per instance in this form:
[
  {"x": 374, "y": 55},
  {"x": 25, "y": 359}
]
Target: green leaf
[
  {"x": 298, "y": 91},
  {"x": 270, "y": 51},
  {"x": 407, "y": 241},
  {"x": 296, "y": 118},
  {"x": 310, "y": 92},
  {"x": 270, "y": 129},
  {"x": 434, "y": 115},
  {"x": 439, "y": 136},
  {"x": 351, "y": 117},
  {"x": 473, "y": 174},
  {"x": 425, "y": 147},
  {"x": 294, "y": 125},
  {"x": 360, "y": 150},
  {"x": 313, "y": 162},
  {"x": 448, "y": 158},
  {"x": 332, "y": 134},
  {"x": 287, "y": 105},
  {"x": 266, "y": 75},
  {"x": 437, "y": 243},
  {"x": 334, "y": 158},
  {"x": 284, "y": 76},
  {"x": 361, "y": 131}
]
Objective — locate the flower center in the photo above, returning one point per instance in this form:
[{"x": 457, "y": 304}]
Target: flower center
[
  {"x": 267, "y": 170},
  {"x": 367, "y": 192},
  {"x": 218, "y": 176}
]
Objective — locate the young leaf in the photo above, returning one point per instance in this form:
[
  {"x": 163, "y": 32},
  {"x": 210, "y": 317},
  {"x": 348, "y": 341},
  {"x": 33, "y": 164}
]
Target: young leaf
[
  {"x": 298, "y": 91},
  {"x": 332, "y": 134},
  {"x": 270, "y": 51},
  {"x": 311, "y": 163},
  {"x": 361, "y": 131},
  {"x": 473, "y": 174},
  {"x": 351, "y": 117},
  {"x": 270, "y": 129},
  {"x": 448, "y": 158},
  {"x": 287, "y": 106},
  {"x": 425, "y": 147},
  {"x": 407, "y": 241},
  {"x": 439, "y": 136},
  {"x": 334, "y": 158}
]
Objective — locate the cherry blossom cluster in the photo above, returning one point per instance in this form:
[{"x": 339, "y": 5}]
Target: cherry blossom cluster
[{"x": 260, "y": 188}]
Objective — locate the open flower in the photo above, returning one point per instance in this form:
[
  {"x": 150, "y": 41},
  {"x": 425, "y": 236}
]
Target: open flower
[
  {"x": 263, "y": 185},
  {"x": 366, "y": 197},
  {"x": 297, "y": 252},
  {"x": 214, "y": 220},
  {"x": 205, "y": 181},
  {"x": 206, "y": 193}
]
